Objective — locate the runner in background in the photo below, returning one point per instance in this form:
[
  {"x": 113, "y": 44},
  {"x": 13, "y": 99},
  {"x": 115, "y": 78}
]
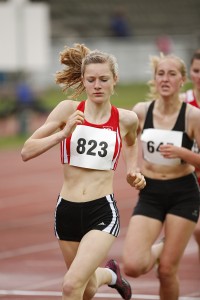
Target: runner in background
[
  {"x": 170, "y": 200},
  {"x": 192, "y": 96}
]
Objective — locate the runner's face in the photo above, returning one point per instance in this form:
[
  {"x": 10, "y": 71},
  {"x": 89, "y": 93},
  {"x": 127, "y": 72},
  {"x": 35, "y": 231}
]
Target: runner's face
[
  {"x": 99, "y": 82},
  {"x": 168, "y": 78},
  {"x": 195, "y": 73}
]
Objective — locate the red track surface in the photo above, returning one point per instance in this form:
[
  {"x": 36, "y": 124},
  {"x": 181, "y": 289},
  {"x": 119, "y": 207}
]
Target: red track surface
[{"x": 30, "y": 260}]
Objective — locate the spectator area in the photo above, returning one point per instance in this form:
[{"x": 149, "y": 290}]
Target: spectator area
[{"x": 92, "y": 18}]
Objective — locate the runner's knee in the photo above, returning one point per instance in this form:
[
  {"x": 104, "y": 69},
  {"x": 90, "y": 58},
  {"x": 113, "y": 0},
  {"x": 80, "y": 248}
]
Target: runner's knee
[
  {"x": 71, "y": 287},
  {"x": 135, "y": 268},
  {"x": 166, "y": 272}
]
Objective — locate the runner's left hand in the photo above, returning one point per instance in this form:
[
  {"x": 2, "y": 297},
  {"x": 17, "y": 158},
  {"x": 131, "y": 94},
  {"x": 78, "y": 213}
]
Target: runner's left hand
[{"x": 136, "y": 180}]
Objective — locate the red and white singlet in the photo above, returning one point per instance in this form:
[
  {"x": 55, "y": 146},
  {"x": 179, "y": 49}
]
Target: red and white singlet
[
  {"x": 93, "y": 146},
  {"x": 190, "y": 98}
]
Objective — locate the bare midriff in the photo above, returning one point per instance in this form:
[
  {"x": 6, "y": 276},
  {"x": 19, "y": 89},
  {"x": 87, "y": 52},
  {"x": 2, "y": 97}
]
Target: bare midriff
[
  {"x": 155, "y": 171},
  {"x": 82, "y": 185}
]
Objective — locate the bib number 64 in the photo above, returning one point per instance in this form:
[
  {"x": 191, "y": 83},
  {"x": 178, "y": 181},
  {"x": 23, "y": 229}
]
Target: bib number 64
[{"x": 152, "y": 148}]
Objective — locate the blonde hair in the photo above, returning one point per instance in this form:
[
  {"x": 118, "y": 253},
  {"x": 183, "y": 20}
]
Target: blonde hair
[
  {"x": 154, "y": 62},
  {"x": 75, "y": 60}
]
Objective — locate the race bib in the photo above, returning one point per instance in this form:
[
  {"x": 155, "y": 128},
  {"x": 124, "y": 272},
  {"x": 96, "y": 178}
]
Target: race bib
[
  {"x": 195, "y": 148},
  {"x": 92, "y": 147},
  {"x": 152, "y": 139}
]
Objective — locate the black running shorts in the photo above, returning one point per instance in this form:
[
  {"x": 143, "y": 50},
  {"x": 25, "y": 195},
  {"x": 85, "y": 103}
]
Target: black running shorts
[
  {"x": 74, "y": 219},
  {"x": 180, "y": 197}
]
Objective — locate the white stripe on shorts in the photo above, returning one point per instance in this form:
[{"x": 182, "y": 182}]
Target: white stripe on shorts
[
  {"x": 113, "y": 228},
  {"x": 58, "y": 202}
]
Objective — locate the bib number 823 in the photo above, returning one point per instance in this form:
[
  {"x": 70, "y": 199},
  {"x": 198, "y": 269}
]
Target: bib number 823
[{"x": 82, "y": 145}]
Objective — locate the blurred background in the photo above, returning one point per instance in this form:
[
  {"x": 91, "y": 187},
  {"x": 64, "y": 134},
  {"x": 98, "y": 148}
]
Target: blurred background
[{"x": 33, "y": 33}]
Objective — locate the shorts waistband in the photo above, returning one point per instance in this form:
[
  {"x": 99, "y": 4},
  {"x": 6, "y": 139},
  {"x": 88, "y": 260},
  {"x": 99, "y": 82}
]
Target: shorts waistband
[
  {"x": 185, "y": 178},
  {"x": 89, "y": 202}
]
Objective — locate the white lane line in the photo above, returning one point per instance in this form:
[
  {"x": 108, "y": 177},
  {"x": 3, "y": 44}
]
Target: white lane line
[
  {"x": 98, "y": 295},
  {"x": 29, "y": 293},
  {"x": 28, "y": 250},
  {"x": 44, "y": 284}
]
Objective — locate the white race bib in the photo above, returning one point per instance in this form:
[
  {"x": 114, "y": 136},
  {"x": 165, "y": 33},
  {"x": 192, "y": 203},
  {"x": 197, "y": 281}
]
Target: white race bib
[
  {"x": 195, "y": 148},
  {"x": 92, "y": 147},
  {"x": 152, "y": 139}
]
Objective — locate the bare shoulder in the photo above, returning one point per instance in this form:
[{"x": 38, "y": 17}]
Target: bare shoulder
[
  {"x": 128, "y": 121},
  {"x": 63, "y": 110},
  {"x": 127, "y": 117},
  {"x": 67, "y": 105},
  {"x": 193, "y": 113},
  {"x": 141, "y": 108}
]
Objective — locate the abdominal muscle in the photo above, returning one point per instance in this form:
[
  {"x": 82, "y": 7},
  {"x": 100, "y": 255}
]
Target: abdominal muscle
[
  {"x": 82, "y": 185},
  {"x": 162, "y": 172}
]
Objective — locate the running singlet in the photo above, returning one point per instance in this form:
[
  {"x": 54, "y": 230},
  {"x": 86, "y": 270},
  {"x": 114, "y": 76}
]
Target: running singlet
[
  {"x": 93, "y": 146},
  {"x": 190, "y": 98},
  {"x": 153, "y": 138}
]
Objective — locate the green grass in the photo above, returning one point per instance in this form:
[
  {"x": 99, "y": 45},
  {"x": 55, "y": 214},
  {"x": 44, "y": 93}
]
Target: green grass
[
  {"x": 125, "y": 96},
  {"x": 12, "y": 142}
]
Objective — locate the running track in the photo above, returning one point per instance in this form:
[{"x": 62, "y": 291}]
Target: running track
[{"x": 31, "y": 265}]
